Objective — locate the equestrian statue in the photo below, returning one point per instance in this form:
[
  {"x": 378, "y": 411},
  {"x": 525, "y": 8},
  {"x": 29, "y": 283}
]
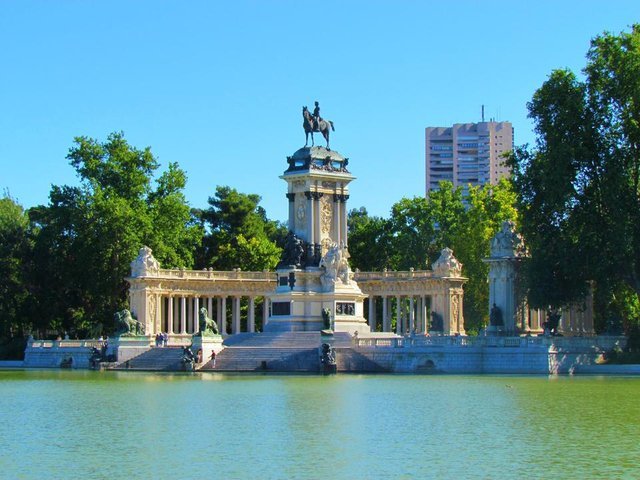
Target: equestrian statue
[{"x": 315, "y": 123}]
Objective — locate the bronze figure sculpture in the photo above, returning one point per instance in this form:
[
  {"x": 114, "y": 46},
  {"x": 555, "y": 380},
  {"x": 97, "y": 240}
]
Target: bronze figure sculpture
[{"x": 315, "y": 124}]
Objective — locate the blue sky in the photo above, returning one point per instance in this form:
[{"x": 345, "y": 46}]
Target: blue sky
[{"x": 219, "y": 86}]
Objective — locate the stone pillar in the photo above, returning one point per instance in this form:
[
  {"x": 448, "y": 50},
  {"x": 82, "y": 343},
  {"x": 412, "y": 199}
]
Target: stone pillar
[
  {"x": 265, "y": 312},
  {"x": 398, "y": 315},
  {"x": 235, "y": 315},
  {"x": 426, "y": 314},
  {"x": 183, "y": 315},
  {"x": 176, "y": 316},
  {"x": 316, "y": 214},
  {"x": 292, "y": 212},
  {"x": 385, "y": 314},
  {"x": 372, "y": 313},
  {"x": 343, "y": 220},
  {"x": 310, "y": 223},
  {"x": 219, "y": 313},
  {"x": 170, "y": 316},
  {"x": 336, "y": 218},
  {"x": 196, "y": 315},
  {"x": 223, "y": 316},
  {"x": 210, "y": 307},
  {"x": 412, "y": 325},
  {"x": 251, "y": 320}
]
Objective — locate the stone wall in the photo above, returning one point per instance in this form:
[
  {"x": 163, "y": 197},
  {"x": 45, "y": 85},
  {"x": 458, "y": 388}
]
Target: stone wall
[
  {"x": 473, "y": 355},
  {"x": 53, "y": 353}
]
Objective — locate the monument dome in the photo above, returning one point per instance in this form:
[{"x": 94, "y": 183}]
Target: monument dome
[{"x": 317, "y": 158}]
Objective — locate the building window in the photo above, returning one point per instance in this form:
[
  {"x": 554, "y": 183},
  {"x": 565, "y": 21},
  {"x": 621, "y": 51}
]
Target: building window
[{"x": 280, "y": 308}]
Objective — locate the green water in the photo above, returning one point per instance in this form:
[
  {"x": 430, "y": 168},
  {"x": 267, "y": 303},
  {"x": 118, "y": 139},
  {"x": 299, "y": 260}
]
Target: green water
[{"x": 77, "y": 424}]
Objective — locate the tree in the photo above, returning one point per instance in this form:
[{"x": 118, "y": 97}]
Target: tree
[
  {"x": 88, "y": 235},
  {"x": 369, "y": 241},
  {"x": 487, "y": 207},
  {"x": 239, "y": 233},
  {"x": 15, "y": 248},
  {"x": 579, "y": 188},
  {"x": 419, "y": 228}
]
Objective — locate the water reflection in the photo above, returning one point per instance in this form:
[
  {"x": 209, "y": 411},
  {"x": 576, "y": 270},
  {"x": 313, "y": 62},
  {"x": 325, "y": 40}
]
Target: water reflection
[{"x": 74, "y": 424}]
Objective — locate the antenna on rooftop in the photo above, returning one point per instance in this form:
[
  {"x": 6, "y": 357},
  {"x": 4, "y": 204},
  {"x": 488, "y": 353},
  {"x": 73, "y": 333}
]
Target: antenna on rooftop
[{"x": 483, "y": 113}]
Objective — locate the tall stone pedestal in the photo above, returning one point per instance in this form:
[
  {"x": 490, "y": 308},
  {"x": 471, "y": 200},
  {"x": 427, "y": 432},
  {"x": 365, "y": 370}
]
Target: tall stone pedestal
[
  {"x": 125, "y": 348},
  {"x": 504, "y": 300},
  {"x": 314, "y": 279},
  {"x": 206, "y": 345},
  {"x": 298, "y": 307}
]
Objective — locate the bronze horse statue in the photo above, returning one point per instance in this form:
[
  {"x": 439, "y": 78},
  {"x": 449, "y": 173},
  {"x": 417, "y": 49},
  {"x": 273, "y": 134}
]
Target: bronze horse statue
[{"x": 309, "y": 125}]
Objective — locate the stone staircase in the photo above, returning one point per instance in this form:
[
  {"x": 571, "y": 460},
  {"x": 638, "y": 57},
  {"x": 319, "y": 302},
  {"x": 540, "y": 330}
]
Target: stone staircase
[
  {"x": 168, "y": 359},
  {"x": 273, "y": 351},
  {"x": 249, "y": 352}
]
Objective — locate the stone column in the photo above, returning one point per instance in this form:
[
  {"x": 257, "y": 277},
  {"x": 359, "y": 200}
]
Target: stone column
[
  {"x": 223, "y": 315},
  {"x": 385, "y": 314},
  {"x": 398, "y": 315},
  {"x": 317, "y": 214},
  {"x": 310, "y": 224},
  {"x": 336, "y": 218},
  {"x": 210, "y": 307},
  {"x": 196, "y": 314},
  {"x": 235, "y": 315},
  {"x": 183, "y": 315},
  {"x": 412, "y": 319},
  {"x": 170, "y": 315},
  {"x": 265, "y": 312},
  {"x": 372, "y": 313},
  {"x": 292, "y": 211},
  {"x": 343, "y": 219},
  {"x": 176, "y": 316},
  {"x": 251, "y": 320}
]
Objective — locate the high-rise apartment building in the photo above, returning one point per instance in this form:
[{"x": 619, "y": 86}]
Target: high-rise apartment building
[{"x": 467, "y": 153}]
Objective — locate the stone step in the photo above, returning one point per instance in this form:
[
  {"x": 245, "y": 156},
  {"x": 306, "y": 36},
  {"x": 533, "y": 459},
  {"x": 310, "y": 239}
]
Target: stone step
[
  {"x": 286, "y": 340},
  {"x": 350, "y": 360},
  {"x": 245, "y": 359},
  {"x": 155, "y": 359}
]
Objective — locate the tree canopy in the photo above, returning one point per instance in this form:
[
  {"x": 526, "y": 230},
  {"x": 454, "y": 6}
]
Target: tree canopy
[
  {"x": 86, "y": 237},
  {"x": 239, "y": 234},
  {"x": 579, "y": 186},
  {"x": 419, "y": 228}
]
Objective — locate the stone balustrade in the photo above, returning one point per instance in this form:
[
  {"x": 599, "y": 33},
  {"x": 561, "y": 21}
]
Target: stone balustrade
[
  {"x": 601, "y": 343},
  {"x": 65, "y": 343}
]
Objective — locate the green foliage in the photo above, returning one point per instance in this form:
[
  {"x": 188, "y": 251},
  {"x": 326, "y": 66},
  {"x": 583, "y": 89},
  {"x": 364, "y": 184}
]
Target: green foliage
[
  {"x": 87, "y": 236},
  {"x": 254, "y": 254},
  {"x": 239, "y": 233},
  {"x": 579, "y": 188},
  {"x": 369, "y": 241},
  {"x": 420, "y": 228},
  {"x": 15, "y": 246}
]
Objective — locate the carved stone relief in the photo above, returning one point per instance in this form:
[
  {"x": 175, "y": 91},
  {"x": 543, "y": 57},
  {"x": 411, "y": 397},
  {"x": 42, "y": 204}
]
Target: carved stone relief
[
  {"x": 301, "y": 213},
  {"x": 327, "y": 213}
]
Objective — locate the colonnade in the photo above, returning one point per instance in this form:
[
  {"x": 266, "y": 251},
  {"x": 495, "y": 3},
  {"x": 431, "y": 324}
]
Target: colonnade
[
  {"x": 412, "y": 313},
  {"x": 178, "y": 314}
]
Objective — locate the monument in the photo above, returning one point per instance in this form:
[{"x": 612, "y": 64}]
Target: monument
[
  {"x": 506, "y": 253},
  {"x": 314, "y": 275}
]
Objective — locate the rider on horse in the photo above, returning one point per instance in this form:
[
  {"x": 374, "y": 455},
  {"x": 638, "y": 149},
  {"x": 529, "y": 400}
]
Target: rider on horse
[{"x": 316, "y": 117}]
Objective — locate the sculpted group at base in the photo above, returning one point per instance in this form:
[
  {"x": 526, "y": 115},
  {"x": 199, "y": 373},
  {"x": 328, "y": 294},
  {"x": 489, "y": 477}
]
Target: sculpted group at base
[{"x": 312, "y": 308}]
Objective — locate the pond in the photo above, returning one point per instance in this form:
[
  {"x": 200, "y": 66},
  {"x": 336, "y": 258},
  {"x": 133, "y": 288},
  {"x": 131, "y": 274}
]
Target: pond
[{"x": 85, "y": 424}]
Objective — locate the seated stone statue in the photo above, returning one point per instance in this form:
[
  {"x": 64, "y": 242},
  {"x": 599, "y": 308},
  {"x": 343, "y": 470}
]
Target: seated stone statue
[
  {"x": 126, "y": 325},
  {"x": 208, "y": 327},
  {"x": 437, "y": 324},
  {"x": 326, "y": 318},
  {"x": 495, "y": 317},
  {"x": 328, "y": 357},
  {"x": 293, "y": 252}
]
